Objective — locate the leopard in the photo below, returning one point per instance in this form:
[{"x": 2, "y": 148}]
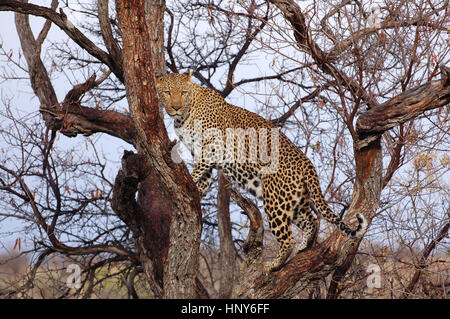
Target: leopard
[{"x": 285, "y": 179}]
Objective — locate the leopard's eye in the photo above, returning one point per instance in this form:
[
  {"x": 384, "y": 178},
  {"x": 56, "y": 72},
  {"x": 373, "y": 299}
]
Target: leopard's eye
[
  {"x": 184, "y": 92},
  {"x": 166, "y": 92}
]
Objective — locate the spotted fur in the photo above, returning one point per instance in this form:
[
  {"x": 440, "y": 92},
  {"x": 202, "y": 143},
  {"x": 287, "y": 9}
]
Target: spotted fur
[{"x": 286, "y": 192}]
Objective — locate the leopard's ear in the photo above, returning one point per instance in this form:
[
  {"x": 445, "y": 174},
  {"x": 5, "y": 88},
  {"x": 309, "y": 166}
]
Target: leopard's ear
[
  {"x": 189, "y": 74},
  {"x": 159, "y": 75},
  {"x": 157, "y": 81}
]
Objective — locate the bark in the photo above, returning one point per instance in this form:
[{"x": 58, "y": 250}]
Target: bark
[
  {"x": 227, "y": 255},
  {"x": 107, "y": 34},
  {"x": 148, "y": 235},
  {"x": 73, "y": 119},
  {"x": 40, "y": 81},
  {"x": 173, "y": 182},
  {"x": 253, "y": 246}
]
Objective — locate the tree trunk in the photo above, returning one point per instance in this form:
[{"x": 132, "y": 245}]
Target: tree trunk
[{"x": 172, "y": 189}]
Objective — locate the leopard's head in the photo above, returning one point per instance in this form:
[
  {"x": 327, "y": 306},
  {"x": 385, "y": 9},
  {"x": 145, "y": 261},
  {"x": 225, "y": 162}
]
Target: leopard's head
[{"x": 175, "y": 93}]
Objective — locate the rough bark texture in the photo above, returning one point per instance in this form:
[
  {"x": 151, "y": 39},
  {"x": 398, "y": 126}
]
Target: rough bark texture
[
  {"x": 227, "y": 255},
  {"x": 40, "y": 81},
  {"x": 72, "y": 119},
  {"x": 174, "y": 184},
  {"x": 149, "y": 232}
]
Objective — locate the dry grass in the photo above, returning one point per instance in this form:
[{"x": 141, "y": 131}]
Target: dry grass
[{"x": 396, "y": 271}]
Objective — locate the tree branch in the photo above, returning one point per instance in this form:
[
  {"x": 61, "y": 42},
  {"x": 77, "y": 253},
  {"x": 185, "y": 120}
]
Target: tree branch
[
  {"x": 107, "y": 34},
  {"x": 249, "y": 39},
  {"x": 302, "y": 269},
  {"x": 282, "y": 119},
  {"x": 344, "y": 45},
  {"x": 227, "y": 255},
  {"x": 402, "y": 108},
  {"x": 64, "y": 24},
  {"x": 293, "y": 14},
  {"x": 72, "y": 119}
]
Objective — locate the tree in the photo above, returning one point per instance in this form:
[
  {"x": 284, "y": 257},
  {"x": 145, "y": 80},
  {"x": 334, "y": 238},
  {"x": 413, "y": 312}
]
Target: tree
[{"x": 362, "y": 88}]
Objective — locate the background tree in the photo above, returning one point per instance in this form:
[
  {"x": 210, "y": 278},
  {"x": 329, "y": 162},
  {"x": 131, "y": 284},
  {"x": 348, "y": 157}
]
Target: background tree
[{"x": 355, "y": 84}]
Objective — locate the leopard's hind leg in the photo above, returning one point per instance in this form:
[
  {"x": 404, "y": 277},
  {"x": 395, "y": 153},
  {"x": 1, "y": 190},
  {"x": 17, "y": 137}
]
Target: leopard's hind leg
[
  {"x": 308, "y": 223},
  {"x": 279, "y": 214}
]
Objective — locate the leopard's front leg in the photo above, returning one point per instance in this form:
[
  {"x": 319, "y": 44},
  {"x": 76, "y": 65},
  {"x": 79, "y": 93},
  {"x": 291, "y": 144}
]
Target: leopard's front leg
[{"x": 202, "y": 177}]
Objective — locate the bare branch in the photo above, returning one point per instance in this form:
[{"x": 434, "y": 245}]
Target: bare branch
[
  {"x": 282, "y": 119},
  {"x": 64, "y": 24},
  {"x": 403, "y": 108},
  {"x": 389, "y": 24},
  {"x": 73, "y": 119},
  {"x": 107, "y": 34},
  {"x": 293, "y": 14}
]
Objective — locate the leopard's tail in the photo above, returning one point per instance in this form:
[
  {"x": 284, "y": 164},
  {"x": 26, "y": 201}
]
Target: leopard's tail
[{"x": 312, "y": 183}]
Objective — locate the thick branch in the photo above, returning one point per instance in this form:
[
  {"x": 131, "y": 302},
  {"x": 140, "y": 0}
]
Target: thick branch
[
  {"x": 404, "y": 107},
  {"x": 253, "y": 246},
  {"x": 303, "y": 269},
  {"x": 72, "y": 119},
  {"x": 107, "y": 34},
  {"x": 150, "y": 234},
  {"x": 40, "y": 81}
]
